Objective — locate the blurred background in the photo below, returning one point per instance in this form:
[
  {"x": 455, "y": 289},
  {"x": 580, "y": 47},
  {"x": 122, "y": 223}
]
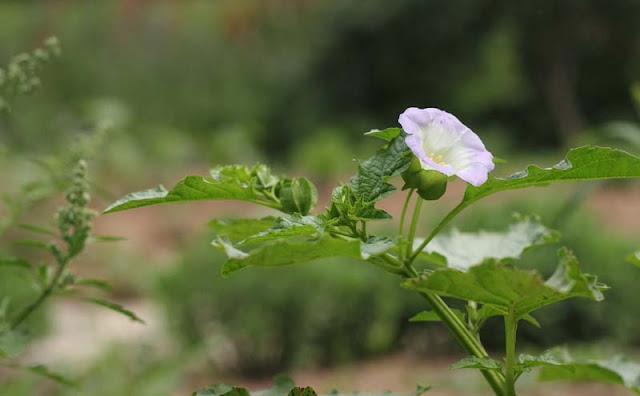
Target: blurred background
[{"x": 186, "y": 85}]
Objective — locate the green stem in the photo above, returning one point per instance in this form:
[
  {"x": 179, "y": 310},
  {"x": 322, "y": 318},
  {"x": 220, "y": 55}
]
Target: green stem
[
  {"x": 404, "y": 210},
  {"x": 466, "y": 339},
  {"x": 436, "y": 230},
  {"x": 510, "y": 329},
  {"x": 414, "y": 224},
  {"x": 62, "y": 264}
]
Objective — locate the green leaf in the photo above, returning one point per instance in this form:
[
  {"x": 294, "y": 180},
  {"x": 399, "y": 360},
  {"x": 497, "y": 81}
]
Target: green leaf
[
  {"x": 97, "y": 283},
  {"x": 105, "y": 238},
  {"x": 12, "y": 343},
  {"x": 238, "y": 229},
  {"x": 221, "y": 390},
  {"x": 294, "y": 226},
  {"x": 38, "y": 229},
  {"x": 43, "y": 371},
  {"x": 114, "y": 307},
  {"x": 14, "y": 262},
  {"x": 376, "y": 246},
  {"x": 34, "y": 244},
  {"x": 386, "y": 134},
  {"x": 528, "y": 362},
  {"x": 583, "y": 163},
  {"x": 282, "y": 386},
  {"x": 232, "y": 182},
  {"x": 503, "y": 287},
  {"x": 370, "y": 184},
  {"x": 463, "y": 250},
  {"x": 300, "y": 391},
  {"x": 618, "y": 370},
  {"x": 285, "y": 252},
  {"x": 484, "y": 363},
  {"x": 432, "y": 316}
]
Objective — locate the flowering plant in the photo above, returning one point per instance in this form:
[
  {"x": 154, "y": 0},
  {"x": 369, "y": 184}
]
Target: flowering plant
[{"x": 480, "y": 269}]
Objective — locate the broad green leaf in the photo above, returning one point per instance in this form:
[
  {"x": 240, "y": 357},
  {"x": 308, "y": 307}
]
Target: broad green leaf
[
  {"x": 11, "y": 343},
  {"x": 349, "y": 208},
  {"x": 238, "y": 229},
  {"x": 285, "y": 252},
  {"x": 114, "y": 307},
  {"x": 503, "y": 287},
  {"x": 432, "y": 316},
  {"x": 618, "y": 370},
  {"x": 583, "y": 163},
  {"x": 370, "y": 184},
  {"x": 484, "y": 363},
  {"x": 386, "y": 134},
  {"x": 463, "y": 250},
  {"x": 232, "y": 182},
  {"x": 376, "y": 246},
  {"x": 14, "y": 262},
  {"x": 294, "y": 226},
  {"x": 528, "y": 362}
]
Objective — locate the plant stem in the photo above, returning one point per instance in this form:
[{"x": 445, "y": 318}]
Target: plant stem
[
  {"x": 414, "y": 224},
  {"x": 436, "y": 230},
  {"x": 466, "y": 339},
  {"x": 62, "y": 264},
  {"x": 404, "y": 210},
  {"x": 510, "y": 329}
]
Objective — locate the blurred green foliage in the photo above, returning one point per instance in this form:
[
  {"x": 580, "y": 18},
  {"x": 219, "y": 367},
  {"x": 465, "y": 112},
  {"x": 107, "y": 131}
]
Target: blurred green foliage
[{"x": 268, "y": 74}]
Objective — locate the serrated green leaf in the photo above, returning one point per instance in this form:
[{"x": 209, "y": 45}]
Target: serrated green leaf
[
  {"x": 484, "y": 363},
  {"x": 114, "y": 307},
  {"x": 294, "y": 226},
  {"x": 386, "y": 134},
  {"x": 583, "y": 163},
  {"x": 14, "y": 262},
  {"x": 618, "y": 370},
  {"x": 370, "y": 184},
  {"x": 12, "y": 343},
  {"x": 432, "y": 316},
  {"x": 232, "y": 182},
  {"x": 285, "y": 252},
  {"x": 463, "y": 250},
  {"x": 238, "y": 229},
  {"x": 503, "y": 287}
]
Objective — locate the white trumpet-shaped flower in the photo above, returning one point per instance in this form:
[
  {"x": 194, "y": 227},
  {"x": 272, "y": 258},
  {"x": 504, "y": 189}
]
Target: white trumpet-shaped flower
[{"x": 441, "y": 142}]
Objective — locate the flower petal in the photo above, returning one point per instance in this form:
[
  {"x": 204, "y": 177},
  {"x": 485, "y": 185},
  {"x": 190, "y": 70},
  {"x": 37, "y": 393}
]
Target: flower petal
[{"x": 445, "y": 144}]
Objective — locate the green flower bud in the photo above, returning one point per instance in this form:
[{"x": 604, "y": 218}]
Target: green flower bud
[{"x": 430, "y": 184}]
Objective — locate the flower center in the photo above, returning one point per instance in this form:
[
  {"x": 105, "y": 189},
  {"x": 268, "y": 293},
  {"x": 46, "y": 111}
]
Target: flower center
[{"x": 437, "y": 159}]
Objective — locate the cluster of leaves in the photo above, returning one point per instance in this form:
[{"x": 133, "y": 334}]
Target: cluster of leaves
[
  {"x": 20, "y": 75},
  {"x": 283, "y": 386},
  {"x": 67, "y": 241},
  {"x": 479, "y": 268}
]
